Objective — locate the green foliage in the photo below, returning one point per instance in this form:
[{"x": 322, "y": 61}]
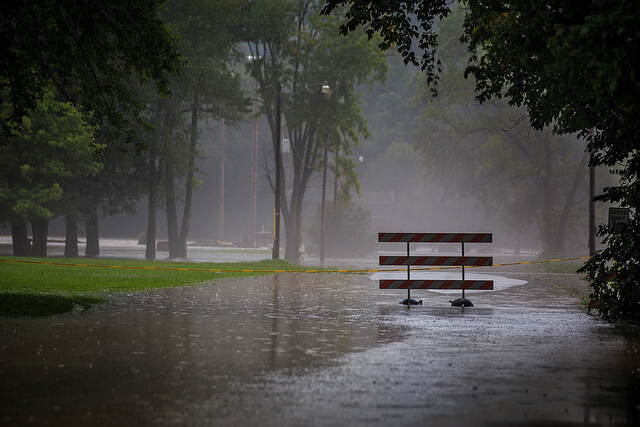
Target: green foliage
[
  {"x": 98, "y": 53},
  {"x": 119, "y": 184},
  {"x": 207, "y": 38},
  {"x": 31, "y": 289},
  {"x": 96, "y": 277},
  {"x": 580, "y": 75},
  {"x": 208, "y": 89},
  {"x": 573, "y": 65},
  {"x": 44, "y": 163},
  {"x": 347, "y": 231},
  {"x": 614, "y": 272},
  {"x": 397, "y": 27},
  {"x": 490, "y": 152}
]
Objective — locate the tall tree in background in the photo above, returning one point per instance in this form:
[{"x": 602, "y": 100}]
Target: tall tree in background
[
  {"x": 116, "y": 188},
  {"x": 293, "y": 46},
  {"x": 573, "y": 65},
  {"x": 489, "y": 151},
  {"x": 208, "y": 89}
]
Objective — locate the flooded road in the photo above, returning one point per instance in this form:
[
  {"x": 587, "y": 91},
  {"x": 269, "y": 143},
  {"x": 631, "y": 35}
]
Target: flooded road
[{"x": 320, "y": 349}]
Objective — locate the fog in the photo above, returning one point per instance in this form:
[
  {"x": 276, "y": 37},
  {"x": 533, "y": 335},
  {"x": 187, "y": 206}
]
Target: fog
[{"x": 395, "y": 185}]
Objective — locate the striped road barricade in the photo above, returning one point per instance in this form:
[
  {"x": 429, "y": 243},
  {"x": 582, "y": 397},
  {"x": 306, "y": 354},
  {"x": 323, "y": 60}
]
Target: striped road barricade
[{"x": 444, "y": 261}]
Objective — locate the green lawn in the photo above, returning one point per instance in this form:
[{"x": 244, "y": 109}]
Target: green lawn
[
  {"x": 46, "y": 286},
  {"x": 568, "y": 267}
]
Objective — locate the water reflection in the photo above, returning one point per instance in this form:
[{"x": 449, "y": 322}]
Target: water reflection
[
  {"x": 283, "y": 321},
  {"x": 162, "y": 351},
  {"x": 324, "y": 349}
]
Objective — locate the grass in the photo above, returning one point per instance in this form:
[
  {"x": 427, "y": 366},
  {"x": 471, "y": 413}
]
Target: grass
[
  {"x": 581, "y": 296},
  {"x": 28, "y": 288},
  {"x": 559, "y": 267}
]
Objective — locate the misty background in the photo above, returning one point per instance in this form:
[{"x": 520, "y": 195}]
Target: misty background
[
  {"x": 445, "y": 164},
  {"x": 396, "y": 185}
]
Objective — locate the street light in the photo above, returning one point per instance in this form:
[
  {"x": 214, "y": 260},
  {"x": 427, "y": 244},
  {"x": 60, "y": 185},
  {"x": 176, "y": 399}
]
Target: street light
[
  {"x": 276, "y": 210},
  {"x": 324, "y": 198},
  {"x": 275, "y": 254}
]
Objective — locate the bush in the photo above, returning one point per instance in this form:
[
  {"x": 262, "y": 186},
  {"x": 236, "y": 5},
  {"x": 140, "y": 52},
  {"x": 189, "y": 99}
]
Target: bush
[
  {"x": 614, "y": 273},
  {"x": 347, "y": 233}
]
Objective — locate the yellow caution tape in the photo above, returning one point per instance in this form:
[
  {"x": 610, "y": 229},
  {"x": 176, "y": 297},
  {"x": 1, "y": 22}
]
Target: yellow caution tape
[{"x": 221, "y": 270}]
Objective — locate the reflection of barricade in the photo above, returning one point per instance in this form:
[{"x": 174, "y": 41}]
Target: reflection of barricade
[{"x": 452, "y": 261}]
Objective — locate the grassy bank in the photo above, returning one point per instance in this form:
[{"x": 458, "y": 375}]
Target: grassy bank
[
  {"x": 558, "y": 267},
  {"x": 46, "y": 286}
]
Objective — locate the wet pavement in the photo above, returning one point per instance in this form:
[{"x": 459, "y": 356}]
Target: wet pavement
[{"x": 321, "y": 349}]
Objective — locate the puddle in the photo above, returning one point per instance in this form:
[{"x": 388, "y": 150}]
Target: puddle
[{"x": 500, "y": 283}]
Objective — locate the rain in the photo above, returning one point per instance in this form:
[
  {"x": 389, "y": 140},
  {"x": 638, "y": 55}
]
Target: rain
[{"x": 204, "y": 175}]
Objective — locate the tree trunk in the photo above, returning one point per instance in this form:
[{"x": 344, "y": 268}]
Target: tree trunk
[
  {"x": 302, "y": 172},
  {"x": 40, "y": 229},
  {"x": 546, "y": 221},
  {"x": 188, "y": 194},
  {"x": 71, "y": 236},
  {"x": 93, "y": 238},
  {"x": 150, "y": 252},
  {"x": 221, "y": 185},
  {"x": 568, "y": 204},
  {"x": 293, "y": 226},
  {"x": 559, "y": 241},
  {"x": 175, "y": 251},
  {"x": 20, "y": 239}
]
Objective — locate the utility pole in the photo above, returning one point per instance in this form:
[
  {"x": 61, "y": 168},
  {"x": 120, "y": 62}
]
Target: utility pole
[
  {"x": 335, "y": 181},
  {"x": 276, "y": 211},
  {"x": 324, "y": 197},
  {"x": 254, "y": 170},
  {"x": 221, "y": 193}
]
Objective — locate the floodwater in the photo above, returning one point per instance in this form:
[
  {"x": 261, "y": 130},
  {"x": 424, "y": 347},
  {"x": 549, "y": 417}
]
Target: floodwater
[
  {"x": 321, "y": 349},
  {"x": 130, "y": 249}
]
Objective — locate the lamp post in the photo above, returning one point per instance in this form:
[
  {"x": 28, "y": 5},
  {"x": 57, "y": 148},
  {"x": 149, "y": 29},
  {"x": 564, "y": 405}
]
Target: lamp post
[
  {"x": 325, "y": 89},
  {"x": 324, "y": 197},
  {"x": 275, "y": 254},
  {"x": 221, "y": 192},
  {"x": 276, "y": 210}
]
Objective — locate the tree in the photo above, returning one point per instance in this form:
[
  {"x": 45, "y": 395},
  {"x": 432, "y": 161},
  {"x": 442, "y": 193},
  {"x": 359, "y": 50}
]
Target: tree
[
  {"x": 489, "y": 151},
  {"x": 572, "y": 65},
  {"x": 293, "y": 46},
  {"x": 96, "y": 53},
  {"x": 208, "y": 88},
  {"x": 116, "y": 188},
  {"x": 52, "y": 151}
]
